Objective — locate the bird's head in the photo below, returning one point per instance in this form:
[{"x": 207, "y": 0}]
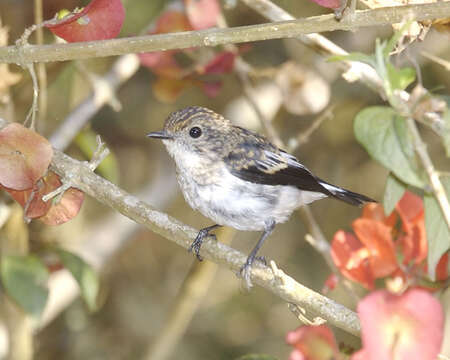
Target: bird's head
[{"x": 195, "y": 131}]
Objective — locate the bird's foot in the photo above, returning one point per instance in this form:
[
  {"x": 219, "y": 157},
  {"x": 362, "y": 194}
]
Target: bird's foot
[
  {"x": 246, "y": 270},
  {"x": 197, "y": 243},
  {"x": 261, "y": 259}
]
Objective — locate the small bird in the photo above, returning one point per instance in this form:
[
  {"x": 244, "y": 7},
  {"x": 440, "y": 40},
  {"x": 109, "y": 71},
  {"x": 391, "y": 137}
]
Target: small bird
[{"x": 238, "y": 178}]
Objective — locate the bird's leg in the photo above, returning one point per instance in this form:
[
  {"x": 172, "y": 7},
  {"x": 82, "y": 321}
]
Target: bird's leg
[
  {"x": 197, "y": 243},
  {"x": 247, "y": 268}
]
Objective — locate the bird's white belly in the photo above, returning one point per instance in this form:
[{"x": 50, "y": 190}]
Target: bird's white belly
[{"x": 240, "y": 204}]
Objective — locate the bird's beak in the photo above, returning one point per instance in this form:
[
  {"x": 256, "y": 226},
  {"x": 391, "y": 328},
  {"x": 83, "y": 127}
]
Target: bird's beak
[{"x": 160, "y": 135}]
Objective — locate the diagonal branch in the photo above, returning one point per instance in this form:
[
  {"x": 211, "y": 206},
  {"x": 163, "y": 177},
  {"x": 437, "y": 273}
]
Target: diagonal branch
[
  {"x": 280, "y": 284},
  {"x": 214, "y": 37}
]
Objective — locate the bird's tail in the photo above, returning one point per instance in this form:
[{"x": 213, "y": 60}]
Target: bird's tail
[{"x": 347, "y": 196}]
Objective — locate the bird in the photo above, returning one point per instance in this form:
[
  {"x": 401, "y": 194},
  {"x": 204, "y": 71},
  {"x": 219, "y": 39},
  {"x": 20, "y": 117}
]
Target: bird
[{"x": 238, "y": 178}]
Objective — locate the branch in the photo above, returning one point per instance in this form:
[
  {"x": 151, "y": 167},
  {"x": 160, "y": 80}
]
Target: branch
[
  {"x": 170, "y": 228},
  {"x": 433, "y": 175},
  {"x": 214, "y": 37}
]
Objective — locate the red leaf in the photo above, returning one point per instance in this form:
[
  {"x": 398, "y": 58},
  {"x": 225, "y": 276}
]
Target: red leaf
[
  {"x": 352, "y": 258},
  {"x": 99, "y": 20},
  {"x": 331, "y": 4},
  {"x": 47, "y": 212},
  {"x": 67, "y": 208},
  {"x": 223, "y": 62},
  {"x": 202, "y": 14},
  {"x": 211, "y": 88},
  {"x": 442, "y": 268},
  {"x": 36, "y": 206},
  {"x": 330, "y": 283},
  {"x": 378, "y": 240},
  {"x": 24, "y": 157},
  {"x": 312, "y": 343},
  {"x": 162, "y": 63},
  {"x": 167, "y": 90},
  {"x": 172, "y": 21},
  {"x": 407, "y": 326}
]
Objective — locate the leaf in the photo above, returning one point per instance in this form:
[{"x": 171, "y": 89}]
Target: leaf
[
  {"x": 167, "y": 90},
  {"x": 354, "y": 56},
  {"x": 202, "y": 14},
  {"x": 331, "y": 4},
  {"x": 172, "y": 21},
  {"x": 384, "y": 135},
  {"x": 407, "y": 326},
  {"x": 257, "y": 357},
  {"x": 393, "y": 192},
  {"x": 84, "y": 274},
  {"x": 65, "y": 209},
  {"x": 400, "y": 78},
  {"x": 312, "y": 343},
  {"x": 223, "y": 62},
  {"x": 24, "y": 156},
  {"x": 438, "y": 233},
  {"x": 24, "y": 278},
  {"x": 99, "y": 20}
]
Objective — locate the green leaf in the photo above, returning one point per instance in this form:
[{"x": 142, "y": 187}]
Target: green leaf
[
  {"x": 354, "y": 56},
  {"x": 109, "y": 167},
  {"x": 438, "y": 233},
  {"x": 393, "y": 192},
  {"x": 257, "y": 357},
  {"x": 384, "y": 135},
  {"x": 25, "y": 278},
  {"x": 85, "y": 276},
  {"x": 400, "y": 78}
]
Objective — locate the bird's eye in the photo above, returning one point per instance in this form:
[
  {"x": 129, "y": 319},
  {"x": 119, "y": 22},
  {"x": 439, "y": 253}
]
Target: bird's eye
[{"x": 195, "y": 132}]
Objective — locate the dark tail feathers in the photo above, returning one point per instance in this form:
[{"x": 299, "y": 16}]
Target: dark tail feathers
[{"x": 347, "y": 196}]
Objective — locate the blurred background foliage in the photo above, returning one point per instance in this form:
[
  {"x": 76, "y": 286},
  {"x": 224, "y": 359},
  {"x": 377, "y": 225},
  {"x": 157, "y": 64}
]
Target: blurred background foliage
[{"x": 141, "y": 280}]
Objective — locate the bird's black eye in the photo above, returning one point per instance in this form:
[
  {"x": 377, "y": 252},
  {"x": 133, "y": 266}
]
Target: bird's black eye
[{"x": 195, "y": 132}]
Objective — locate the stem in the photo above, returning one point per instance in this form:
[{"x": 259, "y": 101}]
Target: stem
[
  {"x": 433, "y": 176},
  {"x": 213, "y": 37}
]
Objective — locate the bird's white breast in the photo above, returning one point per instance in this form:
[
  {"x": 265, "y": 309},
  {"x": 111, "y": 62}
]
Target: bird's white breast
[{"x": 228, "y": 200}]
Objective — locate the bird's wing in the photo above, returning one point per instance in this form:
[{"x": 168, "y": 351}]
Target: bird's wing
[{"x": 259, "y": 162}]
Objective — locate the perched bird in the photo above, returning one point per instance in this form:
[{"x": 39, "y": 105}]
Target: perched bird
[{"x": 238, "y": 178}]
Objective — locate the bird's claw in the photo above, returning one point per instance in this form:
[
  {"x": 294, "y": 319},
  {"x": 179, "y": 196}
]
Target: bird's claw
[
  {"x": 197, "y": 243},
  {"x": 261, "y": 259},
  {"x": 246, "y": 270}
]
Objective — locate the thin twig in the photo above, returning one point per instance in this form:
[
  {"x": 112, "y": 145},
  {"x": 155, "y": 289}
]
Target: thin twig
[
  {"x": 437, "y": 60},
  {"x": 303, "y": 136},
  {"x": 214, "y": 37},
  {"x": 31, "y": 116},
  {"x": 41, "y": 72},
  {"x": 433, "y": 176}
]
